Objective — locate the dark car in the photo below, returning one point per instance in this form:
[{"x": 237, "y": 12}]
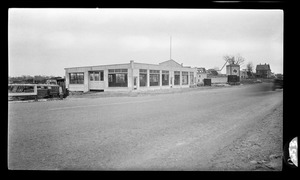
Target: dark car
[{"x": 277, "y": 84}]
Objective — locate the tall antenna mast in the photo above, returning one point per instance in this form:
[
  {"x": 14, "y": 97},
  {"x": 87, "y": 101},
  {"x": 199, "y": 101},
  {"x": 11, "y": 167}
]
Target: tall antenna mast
[{"x": 170, "y": 47}]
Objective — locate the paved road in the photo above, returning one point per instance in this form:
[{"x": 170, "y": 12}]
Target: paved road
[{"x": 180, "y": 131}]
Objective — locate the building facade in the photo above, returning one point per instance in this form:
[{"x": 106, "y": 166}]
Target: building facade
[
  {"x": 201, "y": 75},
  {"x": 130, "y": 76},
  {"x": 244, "y": 74},
  {"x": 263, "y": 70}
]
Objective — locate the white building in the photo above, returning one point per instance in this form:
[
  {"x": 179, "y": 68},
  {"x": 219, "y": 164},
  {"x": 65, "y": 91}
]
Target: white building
[{"x": 130, "y": 76}]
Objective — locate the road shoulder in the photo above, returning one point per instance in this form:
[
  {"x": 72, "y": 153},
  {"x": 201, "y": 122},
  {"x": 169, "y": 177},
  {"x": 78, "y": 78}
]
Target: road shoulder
[{"x": 259, "y": 149}]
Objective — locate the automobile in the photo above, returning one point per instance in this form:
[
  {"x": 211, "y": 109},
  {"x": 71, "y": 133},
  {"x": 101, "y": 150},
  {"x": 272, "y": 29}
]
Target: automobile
[
  {"x": 277, "y": 84},
  {"x": 258, "y": 81}
]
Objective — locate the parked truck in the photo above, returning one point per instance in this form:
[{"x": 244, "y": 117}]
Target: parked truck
[
  {"x": 61, "y": 82},
  {"x": 51, "y": 89}
]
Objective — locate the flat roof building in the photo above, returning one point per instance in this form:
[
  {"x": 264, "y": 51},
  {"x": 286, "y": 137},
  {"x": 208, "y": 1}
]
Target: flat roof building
[{"x": 130, "y": 76}]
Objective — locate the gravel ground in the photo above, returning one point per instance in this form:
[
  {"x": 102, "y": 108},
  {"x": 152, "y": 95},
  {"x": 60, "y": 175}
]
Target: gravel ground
[
  {"x": 235, "y": 128},
  {"x": 259, "y": 149}
]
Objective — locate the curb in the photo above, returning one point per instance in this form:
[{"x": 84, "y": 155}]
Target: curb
[{"x": 29, "y": 101}]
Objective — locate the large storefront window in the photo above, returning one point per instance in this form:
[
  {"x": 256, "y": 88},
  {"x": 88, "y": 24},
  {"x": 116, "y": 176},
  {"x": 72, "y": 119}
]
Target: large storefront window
[
  {"x": 185, "y": 78},
  {"x": 165, "y": 78},
  {"x": 154, "y": 77},
  {"x": 177, "y": 78},
  {"x": 76, "y": 78},
  {"x": 192, "y": 77},
  {"x": 117, "y": 78},
  {"x": 143, "y": 77},
  {"x": 96, "y": 75},
  {"x": 121, "y": 78}
]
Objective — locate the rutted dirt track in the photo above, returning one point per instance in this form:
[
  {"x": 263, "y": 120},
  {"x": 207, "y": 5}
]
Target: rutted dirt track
[{"x": 236, "y": 128}]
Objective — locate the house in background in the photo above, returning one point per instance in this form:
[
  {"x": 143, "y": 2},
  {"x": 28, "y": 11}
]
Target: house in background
[
  {"x": 244, "y": 74},
  {"x": 216, "y": 76},
  {"x": 201, "y": 70},
  {"x": 263, "y": 71},
  {"x": 212, "y": 72},
  {"x": 201, "y": 74}
]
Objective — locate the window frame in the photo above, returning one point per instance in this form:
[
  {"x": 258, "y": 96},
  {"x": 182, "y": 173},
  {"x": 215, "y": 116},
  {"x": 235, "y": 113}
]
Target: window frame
[
  {"x": 192, "y": 77},
  {"x": 177, "y": 78},
  {"x": 76, "y": 78},
  {"x": 165, "y": 81},
  {"x": 143, "y": 73},
  {"x": 152, "y": 74},
  {"x": 114, "y": 77},
  {"x": 93, "y": 75},
  {"x": 185, "y": 76}
]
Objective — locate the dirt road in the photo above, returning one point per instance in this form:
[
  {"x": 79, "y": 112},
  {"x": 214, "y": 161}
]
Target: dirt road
[
  {"x": 259, "y": 149},
  {"x": 213, "y": 129}
]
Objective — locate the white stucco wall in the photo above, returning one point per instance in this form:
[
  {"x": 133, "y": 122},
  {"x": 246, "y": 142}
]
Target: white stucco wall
[{"x": 133, "y": 71}]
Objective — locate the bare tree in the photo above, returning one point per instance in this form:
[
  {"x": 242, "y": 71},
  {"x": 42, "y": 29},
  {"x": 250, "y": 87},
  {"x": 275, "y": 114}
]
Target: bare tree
[
  {"x": 249, "y": 68},
  {"x": 237, "y": 59},
  {"x": 229, "y": 59}
]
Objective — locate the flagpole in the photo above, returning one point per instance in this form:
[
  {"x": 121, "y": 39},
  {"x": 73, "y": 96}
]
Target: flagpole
[{"x": 170, "y": 47}]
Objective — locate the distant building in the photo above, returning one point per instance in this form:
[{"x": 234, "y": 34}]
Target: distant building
[
  {"x": 130, "y": 76},
  {"x": 212, "y": 72},
  {"x": 244, "y": 74},
  {"x": 272, "y": 75},
  {"x": 263, "y": 71},
  {"x": 201, "y": 74},
  {"x": 279, "y": 76},
  {"x": 216, "y": 76},
  {"x": 201, "y": 70}
]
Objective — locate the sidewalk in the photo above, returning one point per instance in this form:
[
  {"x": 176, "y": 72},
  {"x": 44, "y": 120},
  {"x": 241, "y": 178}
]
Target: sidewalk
[
  {"x": 38, "y": 100},
  {"x": 135, "y": 93}
]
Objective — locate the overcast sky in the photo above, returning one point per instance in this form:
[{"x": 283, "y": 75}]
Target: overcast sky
[{"x": 45, "y": 41}]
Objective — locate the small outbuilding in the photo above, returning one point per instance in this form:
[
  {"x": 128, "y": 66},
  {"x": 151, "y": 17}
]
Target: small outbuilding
[{"x": 233, "y": 69}]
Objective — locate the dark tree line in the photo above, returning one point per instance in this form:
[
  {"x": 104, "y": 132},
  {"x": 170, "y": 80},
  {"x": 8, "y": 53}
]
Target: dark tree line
[{"x": 38, "y": 79}]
